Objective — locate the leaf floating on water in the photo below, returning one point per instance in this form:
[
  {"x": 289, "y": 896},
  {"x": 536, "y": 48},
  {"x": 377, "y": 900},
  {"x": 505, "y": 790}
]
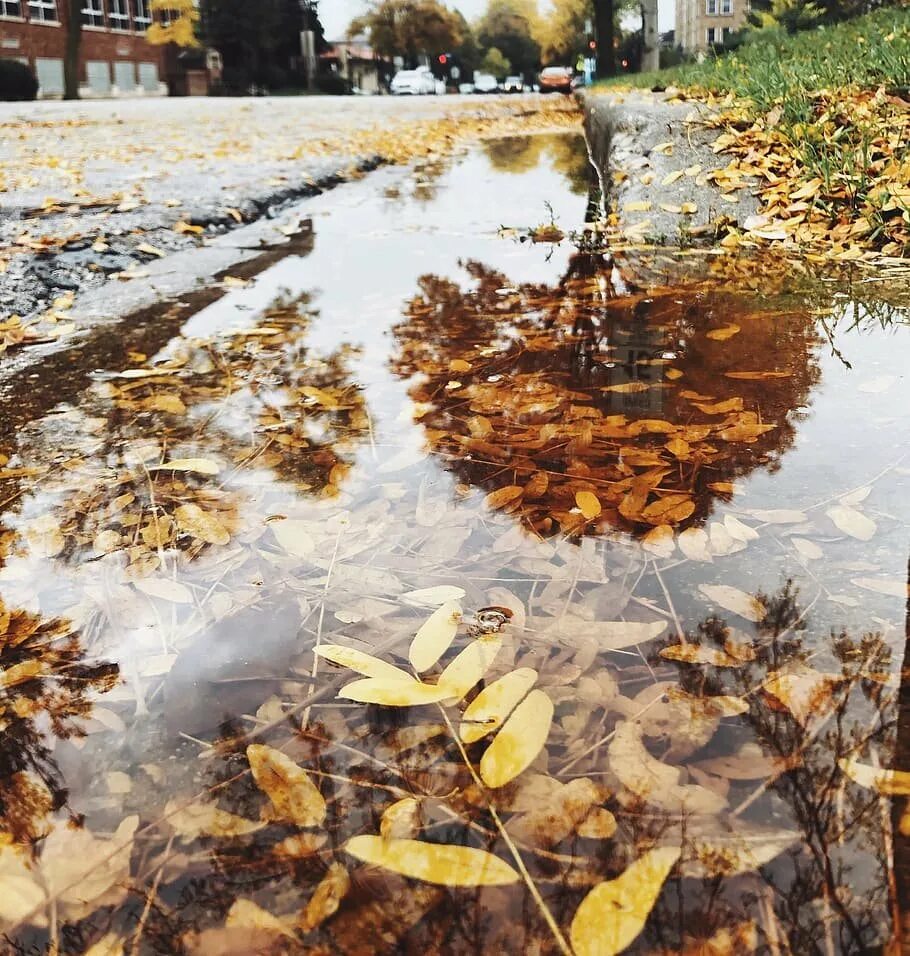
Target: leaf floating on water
[
  {"x": 326, "y": 898},
  {"x": 618, "y": 635},
  {"x": 394, "y": 693},
  {"x": 660, "y": 541},
  {"x": 521, "y": 739},
  {"x": 723, "y": 333},
  {"x": 893, "y": 587},
  {"x": 779, "y": 516},
  {"x": 294, "y": 536},
  {"x": 166, "y": 589},
  {"x": 749, "y": 763},
  {"x": 245, "y": 914},
  {"x": 614, "y": 913},
  {"x": 805, "y": 692},
  {"x": 757, "y": 376},
  {"x": 205, "y": 819},
  {"x": 361, "y": 662},
  {"x": 671, "y": 509},
  {"x": 494, "y": 703},
  {"x": 745, "y": 432},
  {"x": 892, "y": 783},
  {"x": 433, "y": 597},
  {"x": 693, "y": 542},
  {"x": 470, "y": 666},
  {"x": 730, "y": 847},
  {"x": 599, "y": 824},
  {"x": 201, "y": 466},
  {"x": 438, "y": 863},
  {"x": 588, "y": 503},
  {"x": 735, "y": 600},
  {"x": 400, "y": 820},
  {"x": 852, "y": 522},
  {"x": 742, "y": 532},
  {"x": 503, "y": 497},
  {"x": 435, "y": 636},
  {"x": 295, "y": 798},
  {"x": 808, "y": 549}
]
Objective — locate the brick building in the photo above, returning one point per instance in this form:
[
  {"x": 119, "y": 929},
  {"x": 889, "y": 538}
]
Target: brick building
[
  {"x": 701, "y": 24},
  {"x": 116, "y": 59}
]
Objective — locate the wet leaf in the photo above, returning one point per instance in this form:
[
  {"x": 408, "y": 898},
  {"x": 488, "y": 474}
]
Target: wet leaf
[
  {"x": 433, "y": 597},
  {"x": 109, "y": 945},
  {"x": 504, "y": 496},
  {"x": 731, "y": 847},
  {"x": 294, "y": 536},
  {"x": 892, "y": 783},
  {"x": 660, "y": 541},
  {"x": 893, "y": 587},
  {"x": 808, "y": 549},
  {"x": 599, "y": 824},
  {"x": 245, "y": 914},
  {"x": 294, "y": 796},
  {"x": 779, "y": 516},
  {"x": 738, "y": 530},
  {"x": 400, "y": 820},
  {"x": 437, "y": 863},
  {"x": 394, "y": 693},
  {"x": 735, "y": 600},
  {"x": 671, "y": 509},
  {"x": 521, "y": 739},
  {"x": 435, "y": 636},
  {"x": 204, "y": 525},
  {"x": 326, "y": 899},
  {"x": 618, "y": 635},
  {"x": 200, "y": 466},
  {"x": 723, "y": 333},
  {"x": 614, "y": 913},
  {"x": 852, "y": 522},
  {"x": 361, "y": 662},
  {"x": 494, "y": 703},
  {"x": 166, "y": 589},
  {"x": 805, "y": 692},
  {"x": 470, "y": 666},
  {"x": 699, "y": 654},
  {"x": 694, "y": 544},
  {"x": 749, "y": 763},
  {"x": 745, "y": 432},
  {"x": 205, "y": 819}
]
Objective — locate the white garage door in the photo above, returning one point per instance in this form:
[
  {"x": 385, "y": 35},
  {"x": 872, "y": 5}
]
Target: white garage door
[
  {"x": 50, "y": 76},
  {"x": 148, "y": 77},
  {"x": 99, "y": 76},
  {"x": 125, "y": 76}
]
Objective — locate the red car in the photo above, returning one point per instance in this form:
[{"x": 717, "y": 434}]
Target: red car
[{"x": 555, "y": 79}]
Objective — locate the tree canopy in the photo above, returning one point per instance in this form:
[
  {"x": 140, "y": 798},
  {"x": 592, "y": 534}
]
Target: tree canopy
[
  {"x": 509, "y": 26},
  {"x": 409, "y": 28}
]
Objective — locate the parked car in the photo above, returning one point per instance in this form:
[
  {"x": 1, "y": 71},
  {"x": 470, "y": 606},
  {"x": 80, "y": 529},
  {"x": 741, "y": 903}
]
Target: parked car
[
  {"x": 513, "y": 84},
  {"x": 556, "y": 79},
  {"x": 417, "y": 82},
  {"x": 485, "y": 83},
  {"x": 465, "y": 87}
]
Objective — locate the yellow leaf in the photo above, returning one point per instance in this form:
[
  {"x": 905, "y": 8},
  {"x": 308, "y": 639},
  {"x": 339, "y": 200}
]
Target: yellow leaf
[
  {"x": 205, "y": 819},
  {"x": 521, "y": 739},
  {"x": 671, "y": 178},
  {"x": 665, "y": 149},
  {"x": 588, "y": 503},
  {"x": 433, "y": 862},
  {"x": 613, "y": 914},
  {"x": 201, "y": 466},
  {"x": 245, "y": 914},
  {"x": 744, "y": 432},
  {"x": 109, "y": 945},
  {"x": 293, "y": 536},
  {"x": 326, "y": 898},
  {"x": 660, "y": 541},
  {"x": 470, "y": 666},
  {"x": 724, "y": 333},
  {"x": 204, "y": 525},
  {"x": 852, "y": 522},
  {"x": 638, "y": 205},
  {"x": 504, "y": 496},
  {"x": 401, "y": 819},
  {"x": 699, "y": 654},
  {"x": 150, "y": 250},
  {"x": 732, "y": 599},
  {"x": 669, "y": 510},
  {"x": 618, "y": 635},
  {"x": 294, "y": 796},
  {"x": 435, "y": 636},
  {"x": 361, "y": 662},
  {"x": 394, "y": 693},
  {"x": 892, "y": 783},
  {"x": 494, "y": 703},
  {"x": 756, "y": 376},
  {"x": 166, "y": 589}
]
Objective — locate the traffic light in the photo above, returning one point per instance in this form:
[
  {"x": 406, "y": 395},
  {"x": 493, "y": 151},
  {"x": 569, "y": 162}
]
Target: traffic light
[
  {"x": 592, "y": 45},
  {"x": 443, "y": 58}
]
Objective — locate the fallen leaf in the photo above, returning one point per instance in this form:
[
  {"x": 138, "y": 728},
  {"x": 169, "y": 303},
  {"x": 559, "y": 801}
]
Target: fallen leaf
[
  {"x": 470, "y": 666},
  {"x": 588, "y": 503},
  {"x": 489, "y": 709},
  {"x": 852, "y": 522},
  {"x": 521, "y": 739},
  {"x": 433, "y": 597},
  {"x": 361, "y": 662},
  {"x": 200, "y": 466},
  {"x": 438, "y": 863},
  {"x": 735, "y": 600},
  {"x": 723, "y": 333},
  {"x": 694, "y": 544},
  {"x": 245, "y": 914},
  {"x": 894, "y": 587},
  {"x": 892, "y": 783},
  {"x": 401, "y": 819},
  {"x": 166, "y": 589},
  {"x": 808, "y": 549},
  {"x": 394, "y": 693},
  {"x": 435, "y": 636},
  {"x": 618, "y": 635},
  {"x": 294, "y": 796},
  {"x": 660, "y": 541},
  {"x": 326, "y": 898},
  {"x": 614, "y": 913},
  {"x": 699, "y": 654},
  {"x": 293, "y": 536},
  {"x": 204, "y": 525}
]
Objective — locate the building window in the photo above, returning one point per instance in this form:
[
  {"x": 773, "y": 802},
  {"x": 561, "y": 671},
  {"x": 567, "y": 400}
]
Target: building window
[
  {"x": 141, "y": 15},
  {"x": 119, "y": 14},
  {"x": 10, "y": 8},
  {"x": 726, "y": 7},
  {"x": 93, "y": 13},
  {"x": 712, "y": 36},
  {"x": 711, "y": 8},
  {"x": 44, "y": 11}
]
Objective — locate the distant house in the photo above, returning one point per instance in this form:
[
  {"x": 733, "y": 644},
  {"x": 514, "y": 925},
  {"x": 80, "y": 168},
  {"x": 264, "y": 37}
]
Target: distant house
[
  {"x": 116, "y": 59},
  {"x": 355, "y": 62},
  {"x": 702, "y": 24}
]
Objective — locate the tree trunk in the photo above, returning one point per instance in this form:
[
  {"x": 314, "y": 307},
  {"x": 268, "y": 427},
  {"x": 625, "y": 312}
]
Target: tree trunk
[
  {"x": 901, "y": 938},
  {"x": 650, "y": 52},
  {"x": 605, "y": 29},
  {"x": 73, "y": 46}
]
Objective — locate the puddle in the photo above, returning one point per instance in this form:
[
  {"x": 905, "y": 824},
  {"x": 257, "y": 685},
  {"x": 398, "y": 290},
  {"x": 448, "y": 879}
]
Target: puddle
[{"x": 682, "y": 505}]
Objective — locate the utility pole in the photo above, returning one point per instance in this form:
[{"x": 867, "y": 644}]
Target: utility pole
[
  {"x": 650, "y": 53},
  {"x": 606, "y": 37}
]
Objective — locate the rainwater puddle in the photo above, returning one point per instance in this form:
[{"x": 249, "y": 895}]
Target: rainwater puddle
[{"x": 676, "y": 509}]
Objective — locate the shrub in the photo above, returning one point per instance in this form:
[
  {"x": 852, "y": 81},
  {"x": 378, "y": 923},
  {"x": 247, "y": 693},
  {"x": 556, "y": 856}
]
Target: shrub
[{"x": 17, "y": 82}]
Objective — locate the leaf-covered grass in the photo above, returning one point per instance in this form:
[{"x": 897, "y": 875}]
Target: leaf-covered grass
[
  {"x": 773, "y": 67},
  {"x": 829, "y": 108}
]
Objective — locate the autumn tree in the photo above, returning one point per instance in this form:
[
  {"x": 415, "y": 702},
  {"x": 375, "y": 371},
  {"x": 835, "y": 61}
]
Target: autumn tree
[
  {"x": 509, "y": 26},
  {"x": 562, "y": 33},
  {"x": 180, "y": 19},
  {"x": 495, "y": 63},
  {"x": 408, "y": 28}
]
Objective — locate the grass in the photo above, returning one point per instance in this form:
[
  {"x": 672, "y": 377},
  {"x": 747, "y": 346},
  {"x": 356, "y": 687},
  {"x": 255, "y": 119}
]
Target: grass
[{"x": 813, "y": 93}]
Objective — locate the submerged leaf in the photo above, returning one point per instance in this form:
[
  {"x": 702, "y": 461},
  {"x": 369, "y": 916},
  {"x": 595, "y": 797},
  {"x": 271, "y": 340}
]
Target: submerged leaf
[
  {"x": 618, "y": 635},
  {"x": 521, "y": 739},
  {"x": 394, "y": 693},
  {"x": 294, "y": 536},
  {"x": 435, "y": 636},
  {"x": 442, "y": 864},
  {"x": 588, "y": 503},
  {"x": 735, "y": 600},
  {"x": 326, "y": 898},
  {"x": 614, "y": 913},
  {"x": 470, "y": 666},
  {"x": 433, "y": 597},
  {"x": 892, "y": 783},
  {"x": 294, "y": 796},
  {"x": 852, "y": 522},
  {"x": 201, "y": 466}
]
